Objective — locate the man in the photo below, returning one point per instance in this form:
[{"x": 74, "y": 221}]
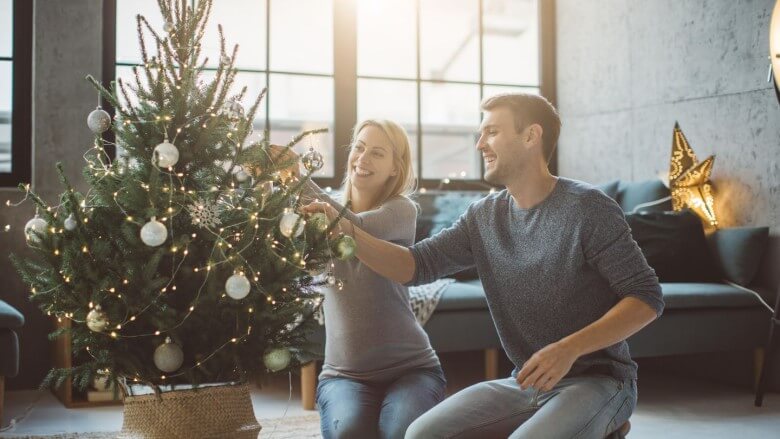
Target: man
[{"x": 565, "y": 283}]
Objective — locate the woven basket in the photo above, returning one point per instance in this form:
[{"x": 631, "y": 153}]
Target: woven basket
[{"x": 223, "y": 411}]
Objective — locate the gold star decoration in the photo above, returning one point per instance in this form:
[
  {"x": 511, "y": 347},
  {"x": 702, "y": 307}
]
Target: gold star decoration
[{"x": 689, "y": 179}]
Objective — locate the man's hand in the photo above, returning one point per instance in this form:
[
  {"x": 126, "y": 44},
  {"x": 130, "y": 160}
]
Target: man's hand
[{"x": 546, "y": 367}]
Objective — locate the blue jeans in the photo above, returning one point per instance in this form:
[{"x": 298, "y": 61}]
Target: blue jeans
[
  {"x": 579, "y": 407},
  {"x": 364, "y": 410}
]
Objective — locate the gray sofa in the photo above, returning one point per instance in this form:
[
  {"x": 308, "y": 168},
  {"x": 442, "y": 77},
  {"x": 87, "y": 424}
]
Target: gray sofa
[
  {"x": 699, "y": 317},
  {"x": 10, "y": 321}
]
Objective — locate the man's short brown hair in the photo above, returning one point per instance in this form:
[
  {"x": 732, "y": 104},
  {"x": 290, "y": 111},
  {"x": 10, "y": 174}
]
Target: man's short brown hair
[{"x": 529, "y": 109}]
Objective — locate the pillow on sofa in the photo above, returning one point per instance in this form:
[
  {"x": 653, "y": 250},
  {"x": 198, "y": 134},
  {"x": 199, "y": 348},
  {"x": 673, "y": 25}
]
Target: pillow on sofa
[
  {"x": 610, "y": 188},
  {"x": 674, "y": 245},
  {"x": 438, "y": 210},
  {"x": 738, "y": 251},
  {"x": 633, "y": 194}
]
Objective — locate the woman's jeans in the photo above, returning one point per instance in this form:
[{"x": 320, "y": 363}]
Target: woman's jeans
[{"x": 363, "y": 410}]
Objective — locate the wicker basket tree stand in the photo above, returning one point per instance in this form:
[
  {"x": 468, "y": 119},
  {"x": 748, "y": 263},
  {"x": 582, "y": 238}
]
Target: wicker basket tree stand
[{"x": 223, "y": 411}]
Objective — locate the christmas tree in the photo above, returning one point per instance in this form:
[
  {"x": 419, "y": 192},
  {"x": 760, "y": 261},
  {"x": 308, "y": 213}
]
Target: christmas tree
[{"x": 185, "y": 261}]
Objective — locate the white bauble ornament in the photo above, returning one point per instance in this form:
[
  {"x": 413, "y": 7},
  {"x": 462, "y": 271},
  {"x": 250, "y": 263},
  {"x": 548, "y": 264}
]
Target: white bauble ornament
[
  {"x": 237, "y": 286},
  {"x": 289, "y": 225},
  {"x": 168, "y": 357},
  {"x": 331, "y": 279},
  {"x": 35, "y": 228},
  {"x": 71, "y": 223},
  {"x": 167, "y": 154},
  {"x": 154, "y": 233},
  {"x": 97, "y": 319},
  {"x": 98, "y": 120},
  {"x": 277, "y": 359},
  {"x": 168, "y": 27},
  {"x": 101, "y": 383},
  {"x": 242, "y": 175}
]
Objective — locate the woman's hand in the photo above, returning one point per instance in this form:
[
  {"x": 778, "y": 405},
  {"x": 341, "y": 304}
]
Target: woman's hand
[
  {"x": 320, "y": 206},
  {"x": 284, "y": 154}
]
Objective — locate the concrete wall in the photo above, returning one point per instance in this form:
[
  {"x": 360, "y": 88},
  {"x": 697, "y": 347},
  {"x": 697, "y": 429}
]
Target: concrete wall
[
  {"x": 68, "y": 45},
  {"x": 628, "y": 69}
]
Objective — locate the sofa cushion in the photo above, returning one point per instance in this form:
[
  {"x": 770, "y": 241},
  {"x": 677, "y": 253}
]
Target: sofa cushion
[
  {"x": 631, "y": 195},
  {"x": 674, "y": 245},
  {"x": 710, "y": 295},
  {"x": 439, "y": 210},
  {"x": 610, "y": 188},
  {"x": 738, "y": 251},
  {"x": 460, "y": 296},
  {"x": 10, "y": 317}
]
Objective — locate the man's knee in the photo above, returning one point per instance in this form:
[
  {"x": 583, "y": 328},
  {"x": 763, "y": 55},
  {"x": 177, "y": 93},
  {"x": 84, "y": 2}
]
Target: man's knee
[{"x": 424, "y": 427}]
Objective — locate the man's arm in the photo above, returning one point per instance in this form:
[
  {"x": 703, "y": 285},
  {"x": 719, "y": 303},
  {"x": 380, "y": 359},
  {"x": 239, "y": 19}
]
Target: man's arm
[
  {"x": 547, "y": 366},
  {"x": 390, "y": 260}
]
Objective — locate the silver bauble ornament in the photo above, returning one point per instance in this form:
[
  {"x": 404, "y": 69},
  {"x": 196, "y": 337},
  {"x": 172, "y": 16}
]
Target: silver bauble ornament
[
  {"x": 345, "y": 247},
  {"x": 225, "y": 59},
  {"x": 289, "y": 225},
  {"x": 234, "y": 110},
  {"x": 331, "y": 279},
  {"x": 237, "y": 286},
  {"x": 97, "y": 319},
  {"x": 71, "y": 223},
  {"x": 98, "y": 120},
  {"x": 168, "y": 357},
  {"x": 312, "y": 160},
  {"x": 168, "y": 27},
  {"x": 167, "y": 154},
  {"x": 277, "y": 359},
  {"x": 35, "y": 228},
  {"x": 154, "y": 233}
]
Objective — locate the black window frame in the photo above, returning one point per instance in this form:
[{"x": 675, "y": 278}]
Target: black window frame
[
  {"x": 345, "y": 80},
  {"x": 21, "y": 101}
]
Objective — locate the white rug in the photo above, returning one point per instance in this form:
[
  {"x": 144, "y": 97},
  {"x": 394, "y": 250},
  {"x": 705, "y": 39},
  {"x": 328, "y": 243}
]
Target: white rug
[{"x": 293, "y": 427}]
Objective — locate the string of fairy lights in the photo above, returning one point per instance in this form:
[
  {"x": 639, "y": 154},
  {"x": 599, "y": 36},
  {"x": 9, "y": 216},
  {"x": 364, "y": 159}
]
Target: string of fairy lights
[{"x": 168, "y": 357}]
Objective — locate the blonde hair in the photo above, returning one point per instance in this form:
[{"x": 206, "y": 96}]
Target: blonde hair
[{"x": 404, "y": 182}]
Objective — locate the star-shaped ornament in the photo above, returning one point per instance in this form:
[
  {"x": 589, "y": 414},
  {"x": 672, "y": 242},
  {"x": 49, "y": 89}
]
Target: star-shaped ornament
[{"x": 689, "y": 179}]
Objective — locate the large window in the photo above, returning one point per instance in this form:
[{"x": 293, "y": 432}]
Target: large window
[
  {"x": 15, "y": 95},
  {"x": 423, "y": 63}
]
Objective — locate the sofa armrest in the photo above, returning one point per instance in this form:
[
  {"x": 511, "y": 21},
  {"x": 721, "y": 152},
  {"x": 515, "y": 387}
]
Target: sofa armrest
[{"x": 9, "y": 317}]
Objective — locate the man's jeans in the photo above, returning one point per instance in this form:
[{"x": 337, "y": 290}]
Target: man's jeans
[
  {"x": 580, "y": 407},
  {"x": 364, "y": 410}
]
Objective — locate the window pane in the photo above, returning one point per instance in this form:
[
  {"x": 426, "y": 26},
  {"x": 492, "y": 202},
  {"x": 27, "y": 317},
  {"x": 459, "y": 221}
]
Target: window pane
[
  {"x": 6, "y": 68},
  {"x": 394, "y": 100},
  {"x": 386, "y": 41},
  {"x": 127, "y": 48},
  {"x": 449, "y": 40},
  {"x": 450, "y": 117},
  {"x": 243, "y": 23},
  {"x": 302, "y": 36},
  {"x": 511, "y": 42},
  {"x": 6, "y": 28},
  {"x": 255, "y": 83},
  {"x": 491, "y": 90},
  {"x": 300, "y": 103}
]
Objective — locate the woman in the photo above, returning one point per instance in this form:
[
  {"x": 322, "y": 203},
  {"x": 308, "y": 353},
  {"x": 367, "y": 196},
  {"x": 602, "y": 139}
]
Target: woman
[{"x": 380, "y": 372}]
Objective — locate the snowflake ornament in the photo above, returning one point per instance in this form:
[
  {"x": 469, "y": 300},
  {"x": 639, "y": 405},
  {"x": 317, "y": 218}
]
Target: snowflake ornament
[{"x": 204, "y": 214}]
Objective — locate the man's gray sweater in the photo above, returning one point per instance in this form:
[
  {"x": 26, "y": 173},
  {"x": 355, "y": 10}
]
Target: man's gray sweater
[{"x": 547, "y": 271}]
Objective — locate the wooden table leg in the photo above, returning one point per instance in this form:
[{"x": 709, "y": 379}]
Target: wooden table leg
[
  {"x": 491, "y": 364},
  {"x": 308, "y": 384}
]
